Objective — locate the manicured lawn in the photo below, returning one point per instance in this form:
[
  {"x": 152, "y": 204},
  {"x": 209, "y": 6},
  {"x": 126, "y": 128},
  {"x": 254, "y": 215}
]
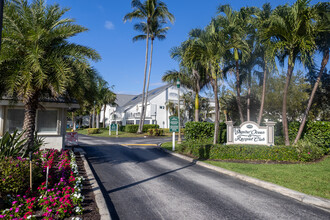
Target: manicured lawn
[
  {"x": 104, "y": 132},
  {"x": 309, "y": 178}
]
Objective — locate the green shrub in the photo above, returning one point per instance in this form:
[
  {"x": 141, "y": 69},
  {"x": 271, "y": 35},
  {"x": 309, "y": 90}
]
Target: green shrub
[
  {"x": 317, "y": 132},
  {"x": 147, "y": 127},
  {"x": 308, "y": 151},
  {"x": 204, "y": 130},
  {"x": 122, "y": 128},
  {"x": 156, "y": 132},
  {"x": 12, "y": 145},
  {"x": 131, "y": 128},
  {"x": 166, "y": 130},
  {"x": 15, "y": 175},
  {"x": 205, "y": 150},
  {"x": 93, "y": 131}
]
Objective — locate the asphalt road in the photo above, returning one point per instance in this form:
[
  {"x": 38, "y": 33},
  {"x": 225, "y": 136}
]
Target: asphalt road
[{"x": 142, "y": 182}]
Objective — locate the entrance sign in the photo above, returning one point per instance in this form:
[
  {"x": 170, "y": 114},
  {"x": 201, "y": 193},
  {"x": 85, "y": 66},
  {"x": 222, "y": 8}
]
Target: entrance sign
[
  {"x": 71, "y": 138},
  {"x": 250, "y": 132},
  {"x": 174, "y": 124},
  {"x": 113, "y": 127}
]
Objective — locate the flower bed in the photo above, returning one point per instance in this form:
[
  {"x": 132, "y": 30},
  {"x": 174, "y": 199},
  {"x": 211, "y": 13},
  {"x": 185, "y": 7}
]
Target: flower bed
[{"x": 58, "y": 198}]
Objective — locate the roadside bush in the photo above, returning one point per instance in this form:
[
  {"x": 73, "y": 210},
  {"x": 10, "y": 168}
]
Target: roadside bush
[
  {"x": 317, "y": 132},
  {"x": 308, "y": 151},
  {"x": 93, "y": 131},
  {"x": 204, "y": 130},
  {"x": 131, "y": 128},
  {"x": 205, "y": 150},
  {"x": 156, "y": 132},
  {"x": 121, "y": 128},
  {"x": 147, "y": 127}
]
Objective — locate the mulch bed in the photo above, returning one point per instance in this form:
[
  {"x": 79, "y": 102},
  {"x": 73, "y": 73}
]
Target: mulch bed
[{"x": 90, "y": 208}]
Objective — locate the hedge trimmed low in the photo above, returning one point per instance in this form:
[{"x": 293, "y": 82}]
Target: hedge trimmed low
[
  {"x": 304, "y": 151},
  {"x": 134, "y": 128},
  {"x": 93, "y": 131},
  {"x": 204, "y": 130}
]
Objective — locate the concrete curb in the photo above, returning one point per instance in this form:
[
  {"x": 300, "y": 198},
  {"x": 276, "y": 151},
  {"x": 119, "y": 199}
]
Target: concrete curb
[
  {"x": 99, "y": 199},
  {"x": 311, "y": 200}
]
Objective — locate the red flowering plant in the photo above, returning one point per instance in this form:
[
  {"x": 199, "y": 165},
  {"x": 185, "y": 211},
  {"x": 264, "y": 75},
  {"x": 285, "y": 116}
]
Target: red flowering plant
[{"x": 60, "y": 197}]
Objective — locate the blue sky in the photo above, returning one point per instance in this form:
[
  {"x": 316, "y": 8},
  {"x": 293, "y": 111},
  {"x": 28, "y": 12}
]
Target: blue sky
[{"x": 122, "y": 63}]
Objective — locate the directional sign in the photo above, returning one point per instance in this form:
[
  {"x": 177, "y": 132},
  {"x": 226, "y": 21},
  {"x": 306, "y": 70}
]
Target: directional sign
[
  {"x": 71, "y": 138},
  {"x": 113, "y": 127},
  {"x": 174, "y": 124}
]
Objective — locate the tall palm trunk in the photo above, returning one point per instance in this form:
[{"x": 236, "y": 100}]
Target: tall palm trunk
[
  {"x": 238, "y": 97},
  {"x": 263, "y": 94},
  {"x": 216, "y": 102},
  {"x": 97, "y": 119},
  {"x": 198, "y": 89},
  {"x": 144, "y": 82},
  {"x": 248, "y": 98},
  {"x": 197, "y": 107},
  {"x": 30, "y": 113},
  {"x": 310, "y": 101},
  {"x": 90, "y": 120},
  {"x": 1, "y": 18},
  {"x": 285, "y": 95},
  {"x": 146, "y": 99},
  {"x": 104, "y": 108}
]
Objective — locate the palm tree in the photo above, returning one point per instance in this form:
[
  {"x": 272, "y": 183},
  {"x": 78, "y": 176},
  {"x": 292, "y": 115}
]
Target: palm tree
[
  {"x": 291, "y": 31},
  {"x": 322, "y": 39},
  {"x": 264, "y": 47},
  {"x": 156, "y": 31},
  {"x": 209, "y": 49},
  {"x": 235, "y": 24},
  {"x": 37, "y": 59},
  {"x": 150, "y": 10}
]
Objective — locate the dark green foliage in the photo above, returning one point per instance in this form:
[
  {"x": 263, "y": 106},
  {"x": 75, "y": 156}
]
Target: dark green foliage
[
  {"x": 12, "y": 145},
  {"x": 147, "y": 127},
  {"x": 131, "y": 128},
  {"x": 204, "y": 130},
  {"x": 15, "y": 175},
  {"x": 134, "y": 128},
  {"x": 121, "y": 128},
  {"x": 156, "y": 132},
  {"x": 305, "y": 151},
  {"x": 93, "y": 131},
  {"x": 317, "y": 132}
]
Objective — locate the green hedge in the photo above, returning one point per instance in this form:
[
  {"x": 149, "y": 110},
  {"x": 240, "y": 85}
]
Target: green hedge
[
  {"x": 131, "y": 128},
  {"x": 156, "y": 132},
  {"x": 304, "y": 151},
  {"x": 134, "y": 128},
  {"x": 204, "y": 130},
  {"x": 93, "y": 131}
]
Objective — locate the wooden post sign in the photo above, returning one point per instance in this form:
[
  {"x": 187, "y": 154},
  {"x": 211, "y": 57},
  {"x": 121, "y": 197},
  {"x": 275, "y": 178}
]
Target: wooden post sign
[{"x": 250, "y": 132}]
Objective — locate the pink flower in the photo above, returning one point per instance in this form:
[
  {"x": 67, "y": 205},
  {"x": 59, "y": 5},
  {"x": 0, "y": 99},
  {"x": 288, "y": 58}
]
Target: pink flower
[{"x": 309, "y": 152}]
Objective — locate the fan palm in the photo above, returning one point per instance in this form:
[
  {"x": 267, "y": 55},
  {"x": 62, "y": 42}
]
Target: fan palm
[
  {"x": 322, "y": 38},
  {"x": 150, "y": 10},
  {"x": 291, "y": 31},
  {"x": 37, "y": 59}
]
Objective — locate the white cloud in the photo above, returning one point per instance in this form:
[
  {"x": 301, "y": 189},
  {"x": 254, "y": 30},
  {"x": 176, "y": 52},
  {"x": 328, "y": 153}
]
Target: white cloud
[{"x": 109, "y": 25}]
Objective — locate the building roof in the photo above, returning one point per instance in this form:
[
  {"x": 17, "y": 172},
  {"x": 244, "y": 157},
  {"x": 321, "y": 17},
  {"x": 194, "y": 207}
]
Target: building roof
[
  {"x": 122, "y": 99},
  {"x": 138, "y": 99}
]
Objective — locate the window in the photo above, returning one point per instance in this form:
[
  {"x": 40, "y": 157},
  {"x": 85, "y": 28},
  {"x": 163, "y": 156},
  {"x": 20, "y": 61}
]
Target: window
[
  {"x": 47, "y": 121},
  {"x": 162, "y": 107},
  {"x": 130, "y": 122},
  {"x": 146, "y": 122},
  {"x": 15, "y": 119}
]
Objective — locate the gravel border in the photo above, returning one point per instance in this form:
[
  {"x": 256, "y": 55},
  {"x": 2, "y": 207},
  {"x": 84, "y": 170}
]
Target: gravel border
[
  {"x": 99, "y": 198},
  {"x": 311, "y": 200}
]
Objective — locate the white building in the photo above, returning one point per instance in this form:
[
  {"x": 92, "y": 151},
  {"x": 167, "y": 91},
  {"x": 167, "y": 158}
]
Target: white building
[
  {"x": 50, "y": 121},
  {"x": 129, "y": 107}
]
